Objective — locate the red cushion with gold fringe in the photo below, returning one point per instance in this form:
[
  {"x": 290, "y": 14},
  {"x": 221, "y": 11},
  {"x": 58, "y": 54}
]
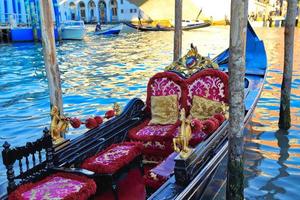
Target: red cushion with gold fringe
[
  {"x": 157, "y": 139},
  {"x": 145, "y": 132},
  {"x": 113, "y": 158},
  {"x": 64, "y": 186}
]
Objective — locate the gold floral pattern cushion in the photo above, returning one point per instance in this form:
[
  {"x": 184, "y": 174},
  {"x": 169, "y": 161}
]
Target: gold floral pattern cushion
[
  {"x": 203, "y": 108},
  {"x": 164, "y": 110}
]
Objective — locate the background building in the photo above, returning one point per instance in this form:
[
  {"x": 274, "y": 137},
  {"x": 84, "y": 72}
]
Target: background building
[
  {"x": 92, "y": 11},
  {"x": 23, "y": 12}
]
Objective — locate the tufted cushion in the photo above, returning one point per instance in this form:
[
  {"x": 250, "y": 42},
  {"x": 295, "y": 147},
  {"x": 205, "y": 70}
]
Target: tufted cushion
[
  {"x": 113, "y": 158},
  {"x": 203, "y": 108},
  {"x": 164, "y": 110},
  {"x": 56, "y": 186}
]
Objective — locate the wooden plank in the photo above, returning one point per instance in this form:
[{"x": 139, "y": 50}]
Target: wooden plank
[
  {"x": 178, "y": 30},
  {"x": 49, "y": 49},
  {"x": 238, "y": 29},
  {"x": 289, "y": 34}
]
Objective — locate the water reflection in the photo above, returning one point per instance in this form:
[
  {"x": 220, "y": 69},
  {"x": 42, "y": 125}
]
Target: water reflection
[
  {"x": 99, "y": 71},
  {"x": 272, "y": 156},
  {"x": 283, "y": 144}
]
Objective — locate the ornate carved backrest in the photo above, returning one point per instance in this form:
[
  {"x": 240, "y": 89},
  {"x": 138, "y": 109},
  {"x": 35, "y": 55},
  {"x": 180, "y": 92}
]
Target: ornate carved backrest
[
  {"x": 164, "y": 84},
  {"x": 209, "y": 83},
  {"x": 30, "y": 160}
]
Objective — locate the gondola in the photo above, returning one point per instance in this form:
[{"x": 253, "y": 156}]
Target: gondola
[
  {"x": 161, "y": 28},
  {"x": 115, "y": 30},
  {"x": 124, "y": 147}
]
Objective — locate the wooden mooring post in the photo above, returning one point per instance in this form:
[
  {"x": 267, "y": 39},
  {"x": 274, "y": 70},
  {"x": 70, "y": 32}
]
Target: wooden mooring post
[
  {"x": 48, "y": 41},
  {"x": 289, "y": 34},
  {"x": 33, "y": 17},
  {"x": 238, "y": 30},
  {"x": 178, "y": 30}
]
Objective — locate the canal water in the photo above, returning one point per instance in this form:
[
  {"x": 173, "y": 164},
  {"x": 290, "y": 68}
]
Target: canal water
[{"x": 100, "y": 70}]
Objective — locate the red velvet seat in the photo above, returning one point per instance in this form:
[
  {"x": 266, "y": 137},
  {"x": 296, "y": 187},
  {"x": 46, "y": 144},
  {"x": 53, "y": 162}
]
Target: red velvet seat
[
  {"x": 57, "y": 186},
  {"x": 113, "y": 158},
  {"x": 211, "y": 84},
  {"x": 158, "y": 139}
]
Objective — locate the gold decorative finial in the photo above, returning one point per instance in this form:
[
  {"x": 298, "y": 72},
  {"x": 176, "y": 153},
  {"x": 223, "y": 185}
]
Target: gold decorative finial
[
  {"x": 181, "y": 142},
  {"x": 191, "y": 63},
  {"x": 59, "y": 125}
]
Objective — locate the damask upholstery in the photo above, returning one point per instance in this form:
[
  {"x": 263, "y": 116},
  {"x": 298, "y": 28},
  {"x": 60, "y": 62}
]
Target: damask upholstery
[
  {"x": 158, "y": 139},
  {"x": 209, "y": 83},
  {"x": 57, "y": 186},
  {"x": 165, "y": 84},
  {"x": 113, "y": 158},
  {"x": 212, "y": 86}
]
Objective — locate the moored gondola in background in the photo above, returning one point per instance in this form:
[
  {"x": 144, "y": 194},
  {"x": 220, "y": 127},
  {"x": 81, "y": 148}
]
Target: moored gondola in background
[{"x": 186, "y": 27}]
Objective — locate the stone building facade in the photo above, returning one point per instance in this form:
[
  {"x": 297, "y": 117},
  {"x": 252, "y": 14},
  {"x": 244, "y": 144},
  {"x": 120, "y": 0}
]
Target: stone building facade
[{"x": 22, "y": 12}]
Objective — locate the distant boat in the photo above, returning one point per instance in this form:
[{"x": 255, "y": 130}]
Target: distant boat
[
  {"x": 73, "y": 30},
  {"x": 161, "y": 15},
  {"x": 186, "y": 25},
  {"x": 111, "y": 31}
]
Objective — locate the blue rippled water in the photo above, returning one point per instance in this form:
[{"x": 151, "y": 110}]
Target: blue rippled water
[
  {"x": 99, "y": 71},
  {"x": 272, "y": 168}
]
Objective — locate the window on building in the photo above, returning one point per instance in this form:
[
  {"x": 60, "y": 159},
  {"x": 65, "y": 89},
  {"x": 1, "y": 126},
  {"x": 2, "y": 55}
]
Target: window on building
[
  {"x": 114, "y": 12},
  {"x": 122, "y": 11},
  {"x": 130, "y": 10},
  {"x": 114, "y": 7},
  {"x": 121, "y": 1},
  {"x": 134, "y": 10}
]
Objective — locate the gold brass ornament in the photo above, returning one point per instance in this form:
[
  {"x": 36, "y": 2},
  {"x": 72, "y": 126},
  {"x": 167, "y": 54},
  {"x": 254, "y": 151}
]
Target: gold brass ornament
[
  {"x": 117, "y": 109},
  {"x": 59, "y": 125},
  {"x": 181, "y": 142},
  {"x": 191, "y": 63}
]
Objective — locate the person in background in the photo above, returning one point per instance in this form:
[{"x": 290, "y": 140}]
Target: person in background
[
  {"x": 98, "y": 27},
  {"x": 139, "y": 18}
]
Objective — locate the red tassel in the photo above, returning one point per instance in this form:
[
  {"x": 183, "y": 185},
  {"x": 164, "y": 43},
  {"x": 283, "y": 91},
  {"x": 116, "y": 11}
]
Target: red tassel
[
  {"x": 209, "y": 126},
  {"x": 91, "y": 123},
  {"x": 197, "y": 125},
  {"x": 75, "y": 122},
  {"x": 217, "y": 123},
  {"x": 109, "y": 114},
  {"x": 98, "y": 119},
  {"x": 220, "y": 117}
]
